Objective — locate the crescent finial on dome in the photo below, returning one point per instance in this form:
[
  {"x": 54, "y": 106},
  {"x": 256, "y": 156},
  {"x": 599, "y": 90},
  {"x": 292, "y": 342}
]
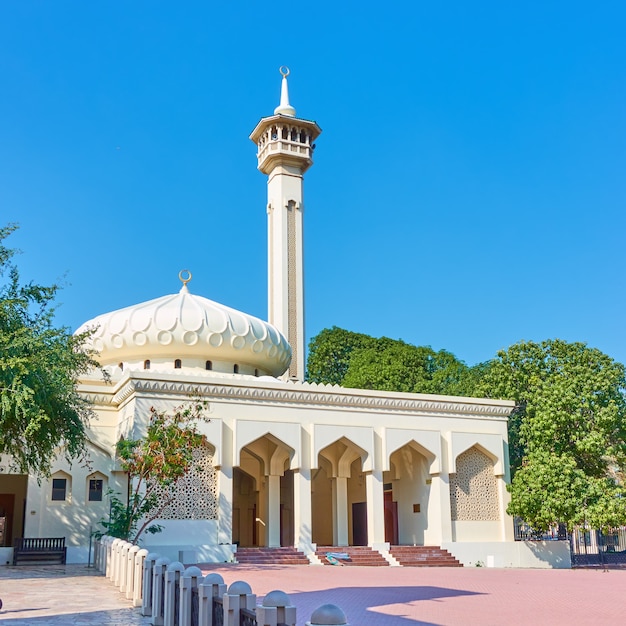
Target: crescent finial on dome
[{"x": 184, "y": 277}]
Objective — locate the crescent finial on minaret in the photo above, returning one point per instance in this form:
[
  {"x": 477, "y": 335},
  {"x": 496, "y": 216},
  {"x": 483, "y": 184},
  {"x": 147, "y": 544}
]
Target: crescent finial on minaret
[{"x": 284, "y": 108}]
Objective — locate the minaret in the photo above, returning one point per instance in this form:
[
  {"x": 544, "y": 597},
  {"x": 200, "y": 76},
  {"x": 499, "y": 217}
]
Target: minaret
[{"x": 285, "y": 151}]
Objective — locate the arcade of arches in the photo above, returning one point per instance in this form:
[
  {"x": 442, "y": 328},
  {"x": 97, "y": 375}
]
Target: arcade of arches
[{"x": 264, "y": 509}]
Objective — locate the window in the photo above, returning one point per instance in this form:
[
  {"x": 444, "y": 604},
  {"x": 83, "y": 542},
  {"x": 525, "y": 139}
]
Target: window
[
  {"x": 178, "y": 364},
  {"x": 256, "y": 372},
  {"x": 121, "y": 366},
  {"x": 236, "y": 368},
  {"x": 96, "y": 486},
  {"x": 208, "y": 365},
  {"x": 59, "y": 489},
  {"x": 146, "y": 364}
]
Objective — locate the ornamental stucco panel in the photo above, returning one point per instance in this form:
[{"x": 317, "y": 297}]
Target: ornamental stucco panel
[
  {"x": 428, "y": 443},
  {"x": 247, "y": 431},
  {"x": 491, "y": 444},
  {"x": 325, "y": 435}
]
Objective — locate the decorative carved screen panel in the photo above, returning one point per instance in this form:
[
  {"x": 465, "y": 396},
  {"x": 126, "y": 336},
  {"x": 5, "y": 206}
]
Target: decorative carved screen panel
[
  {"x": 473, "y": 489},
  {"x": 195, "y": 494}
]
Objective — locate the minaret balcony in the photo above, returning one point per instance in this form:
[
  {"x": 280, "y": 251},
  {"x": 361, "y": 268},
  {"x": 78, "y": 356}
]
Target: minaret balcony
[
  {"x": 286, "y": 147},
  {"x": 284, "y": 139}
]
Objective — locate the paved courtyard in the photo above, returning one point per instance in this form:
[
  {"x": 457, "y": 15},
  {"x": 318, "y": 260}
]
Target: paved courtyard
[{"x": 75, "y": 595}]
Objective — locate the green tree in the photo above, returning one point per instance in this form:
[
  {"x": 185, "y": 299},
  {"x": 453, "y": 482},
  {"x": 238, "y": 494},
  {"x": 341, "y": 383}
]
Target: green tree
[
  {"x": 338, "y": 356},
  {"x": 568, "y": 432},
  {"x": 42, "y": 415},
  {"x": 330, "y": 352},
  {"x": 154, "y": 462}
]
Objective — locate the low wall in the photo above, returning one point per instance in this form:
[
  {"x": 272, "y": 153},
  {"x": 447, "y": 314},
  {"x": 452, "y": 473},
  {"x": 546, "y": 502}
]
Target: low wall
[
  {"x": 524, "y": 554},
  {"x": 191, "y": 554},
  {"x": 6, "y": 556}
]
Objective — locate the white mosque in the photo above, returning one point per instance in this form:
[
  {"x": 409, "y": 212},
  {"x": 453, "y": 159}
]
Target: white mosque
[{"x": 287, "y": 463}]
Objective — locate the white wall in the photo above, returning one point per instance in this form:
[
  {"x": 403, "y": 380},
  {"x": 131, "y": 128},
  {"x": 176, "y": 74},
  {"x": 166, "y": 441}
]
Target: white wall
[{"x": 528, "y": 554}]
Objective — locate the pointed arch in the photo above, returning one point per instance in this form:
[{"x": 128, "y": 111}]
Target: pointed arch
[
  {"x": 492, "y": 446},
  {"x": 286, "y": 435},
  {"x": 426, "y": 442},
  {"x": 361, "y": 437}
]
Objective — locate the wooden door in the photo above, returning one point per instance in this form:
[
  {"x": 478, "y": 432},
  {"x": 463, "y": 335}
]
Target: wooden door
[
  {"x": 359, "y": 523},
  {"x": 7, "y": 509},
  {"x": 391, "y": 519}
]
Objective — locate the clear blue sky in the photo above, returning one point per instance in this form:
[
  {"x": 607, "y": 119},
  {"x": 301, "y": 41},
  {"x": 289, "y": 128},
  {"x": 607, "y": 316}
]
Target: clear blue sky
[{"x": 469, "y": 187}]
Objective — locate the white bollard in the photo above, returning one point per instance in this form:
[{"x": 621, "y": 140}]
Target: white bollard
[
  {"x": 211, "y": 587},
  {"x": 140, "y": 556},
  {"x": 328, "y": 614},
  {"x": 129, "y": 583},
  {"x": 158, "y": 589},
  {"x": 120, "y": 581},
  {"x": 171, "y": 607},
  {"x": 275, "y": 609},
  {"x": 117, "y": 550},
  {"x": 148, "y": 574},
  {"x": 109, "y": 564},
  {"x": 102, "y": 554},
  {"x": 96, "y": 552},
  {"x": 189, "y": 594},
  {"x": 114, "y": 559},
  {"x": 239, "y": 596}
]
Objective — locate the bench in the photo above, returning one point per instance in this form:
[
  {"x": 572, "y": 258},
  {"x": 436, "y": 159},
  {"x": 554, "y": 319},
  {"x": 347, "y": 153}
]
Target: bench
[{"x": 30, "y": 549}]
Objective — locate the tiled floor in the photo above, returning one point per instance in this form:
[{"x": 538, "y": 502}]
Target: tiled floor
[{"x": 389, "y": 596}]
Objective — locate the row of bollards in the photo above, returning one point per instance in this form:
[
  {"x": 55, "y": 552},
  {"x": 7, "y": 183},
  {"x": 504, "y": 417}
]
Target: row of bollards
[{"x": 173, "y": 595}]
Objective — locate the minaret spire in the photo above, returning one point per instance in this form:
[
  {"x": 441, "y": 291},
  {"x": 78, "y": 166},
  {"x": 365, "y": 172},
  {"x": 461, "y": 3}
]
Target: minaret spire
[
  {"x": 284, "y": 108},
  {"x": 284, "y": 152}
]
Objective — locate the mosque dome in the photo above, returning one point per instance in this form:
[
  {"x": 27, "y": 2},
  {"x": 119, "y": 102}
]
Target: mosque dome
[{"x": 185, "y": 330}]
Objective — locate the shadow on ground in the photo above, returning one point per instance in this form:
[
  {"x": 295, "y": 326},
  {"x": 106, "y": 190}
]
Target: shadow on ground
[
  {"x": 118, "y": 617},
  {"x": 374, "y": 604}
]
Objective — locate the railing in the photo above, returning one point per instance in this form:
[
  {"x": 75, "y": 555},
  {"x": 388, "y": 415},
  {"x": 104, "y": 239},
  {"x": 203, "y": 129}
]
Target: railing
[
  {"x": 525, "y": 532},
  {"x": 218, "y": 612},
  {"x": 195, "y": 605},
  {"x": 589, "y": 547},
  {"x": 596, "y": 548},
  {"x": 247, "y": 618}
]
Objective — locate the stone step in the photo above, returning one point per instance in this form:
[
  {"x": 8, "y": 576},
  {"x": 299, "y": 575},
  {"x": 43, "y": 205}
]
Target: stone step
[
  {"x": 359, "y": 555},
  {"x": 423, "y": 556},
  {"x": 269, "y": 556}
]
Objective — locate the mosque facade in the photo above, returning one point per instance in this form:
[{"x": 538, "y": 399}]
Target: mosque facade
[{"x": 286, "y": 462}]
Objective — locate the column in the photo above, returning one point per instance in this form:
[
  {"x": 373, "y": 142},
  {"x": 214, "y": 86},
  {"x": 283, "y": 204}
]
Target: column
[
  {"x": 439, "y": 513},
  {"x": 507, "y": 532},
  {"x": 375, "y": 508},
  {"x": 340, "y": 511},
  {"x": 273, "y": 511},
  {"x": 225, "y": 503},
  {"x": 303, "y": 515}
]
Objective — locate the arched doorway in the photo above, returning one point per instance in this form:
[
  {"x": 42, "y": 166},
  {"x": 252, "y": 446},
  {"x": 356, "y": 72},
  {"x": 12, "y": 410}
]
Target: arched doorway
[
  {"x": 407, "y": 495},
  {"x": 338, "y": 498},
  {"x": 263, "y": 503}
]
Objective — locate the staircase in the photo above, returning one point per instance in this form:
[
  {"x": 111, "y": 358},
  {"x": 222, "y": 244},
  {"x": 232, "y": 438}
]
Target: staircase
[
  {"x": 270, "y": 556},
  {"x": 423, "y": 556},
  {"x": 359, "y": 555}
]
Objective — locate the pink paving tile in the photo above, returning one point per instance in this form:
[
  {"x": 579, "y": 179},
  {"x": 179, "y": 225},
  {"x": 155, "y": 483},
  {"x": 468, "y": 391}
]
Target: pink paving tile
[{"x": 442, "y": 596}]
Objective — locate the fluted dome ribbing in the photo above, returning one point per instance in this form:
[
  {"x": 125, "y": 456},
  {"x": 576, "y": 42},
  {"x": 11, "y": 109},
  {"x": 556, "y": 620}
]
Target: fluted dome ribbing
[{"x": 185, "y": 325}]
